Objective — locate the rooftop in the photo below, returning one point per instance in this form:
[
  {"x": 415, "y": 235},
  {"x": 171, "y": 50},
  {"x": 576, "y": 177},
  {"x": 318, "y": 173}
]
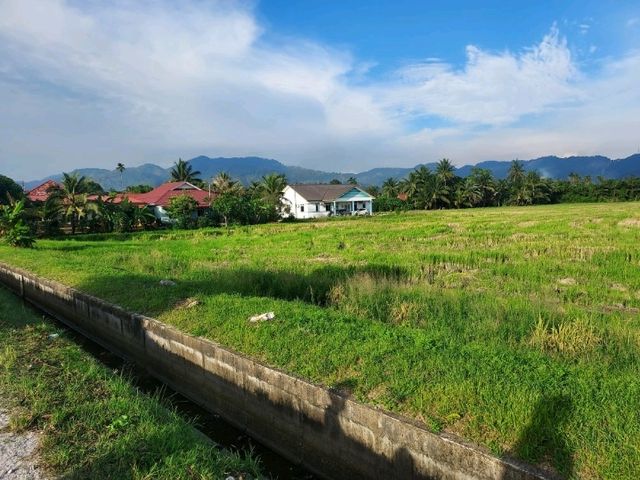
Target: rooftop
[{"x": 323, "y": 192}]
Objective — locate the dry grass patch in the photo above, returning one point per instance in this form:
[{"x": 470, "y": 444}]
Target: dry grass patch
[
  {"x": 630, "y": 222},
  {"x": 573, "y": 338}
]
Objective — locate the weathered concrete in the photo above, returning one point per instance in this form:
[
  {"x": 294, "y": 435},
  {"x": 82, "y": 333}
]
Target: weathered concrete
[{"x": 328, "y": 433}]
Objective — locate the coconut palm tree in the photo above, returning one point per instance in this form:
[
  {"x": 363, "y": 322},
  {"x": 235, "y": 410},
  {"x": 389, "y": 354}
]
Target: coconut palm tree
[
  {"x": 73, "y": 196},
  {"x": 468, "y": 194},
  {"x": 50, "y": 215},
  {"x": 445, "y": 171},
  {"x": 352, "y": 181},
  {"x": 390, "y": 187},
  {"x": 483, "y": 179},
  {"x": 183, "y": 172},
  {"x": 224, "y": 184},
  {"x": 121, "y": 168},
  {"x": 516, "y": 173},
  {"x": 272, "y": 186}
]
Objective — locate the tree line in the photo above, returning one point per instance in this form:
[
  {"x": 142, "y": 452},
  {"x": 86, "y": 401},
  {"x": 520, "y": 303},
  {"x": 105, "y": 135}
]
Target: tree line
[
  {"x": 442, "y": 188},
  {"x": 79, "y": 205}
]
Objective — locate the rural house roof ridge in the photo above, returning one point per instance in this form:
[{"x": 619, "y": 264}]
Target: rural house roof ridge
[{"x": 323, "y": 192}]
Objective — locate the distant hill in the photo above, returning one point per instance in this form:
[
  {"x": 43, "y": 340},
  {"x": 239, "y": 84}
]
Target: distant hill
[
  {"x": 148, "y": 173},
  {"x": 247, "y": 169},
  {"x": 556, "y": 167}
]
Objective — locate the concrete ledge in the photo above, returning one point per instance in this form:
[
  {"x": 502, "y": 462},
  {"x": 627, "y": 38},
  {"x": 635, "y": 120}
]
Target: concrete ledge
[{"x": 323, "y": 430}]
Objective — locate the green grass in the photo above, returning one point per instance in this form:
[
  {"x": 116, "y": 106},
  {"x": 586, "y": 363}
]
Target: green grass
[
  {"x": 94, "y": 423},
  {"x": 516, "y": 328}
]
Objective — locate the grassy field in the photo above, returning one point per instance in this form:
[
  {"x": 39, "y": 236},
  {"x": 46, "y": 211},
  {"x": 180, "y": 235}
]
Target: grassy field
[
  {"x": 94, "y": 423},
  {"x": 516, "y": 328}
]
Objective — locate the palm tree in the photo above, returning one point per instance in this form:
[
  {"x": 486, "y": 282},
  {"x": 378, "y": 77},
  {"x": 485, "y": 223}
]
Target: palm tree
[
  {"x": 183, "y": 172},
  {"x": 468, "y": 194},
  {"x": 49, "y": 215},
  {"x": 445, "y": 171},
  {"x": 516, "y": 173},
  {"x": 352, "y": 181},
  {"x": 224, "y": 184},
  {"x": 73, "y": 195},
  {"x": 121, "y": 168},
  {"x": 439, "y": 194},
  {"x": 272, "y": 186},
  {"x": 390, "y": 187},
  {"x": 417, "y": 185},
  {"x": 483, "y": 179}
]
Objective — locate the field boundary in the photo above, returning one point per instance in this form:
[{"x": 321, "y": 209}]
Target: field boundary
[{"x": 324, "y": 430}]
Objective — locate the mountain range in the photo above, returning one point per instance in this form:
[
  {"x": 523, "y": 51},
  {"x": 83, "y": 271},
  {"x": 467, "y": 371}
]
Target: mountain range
[{"x": 247, "y": 169}]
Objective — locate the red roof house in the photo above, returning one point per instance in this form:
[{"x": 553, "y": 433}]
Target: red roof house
[
  {"x": 161, "y": 196},
  {"x": 42, "y": 192}
]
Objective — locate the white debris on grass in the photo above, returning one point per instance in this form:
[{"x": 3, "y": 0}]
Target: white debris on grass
[
  {"x": 167, "y": 283},
  {"x": 262, "y": 317}
]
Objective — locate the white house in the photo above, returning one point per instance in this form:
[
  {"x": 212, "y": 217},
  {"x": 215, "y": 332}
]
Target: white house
[{"x": 314, "y": 201}]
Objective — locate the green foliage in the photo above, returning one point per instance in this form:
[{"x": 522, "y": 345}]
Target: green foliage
[
  {"x": 12, "y": 227},
  {"x": 9, "y": 189},
  {"x": 94, "y": 423},
  {"x": 182, "y": 209},
  {"x": 271, "y": 188},
  {"x": 243, "y": 210},
  {"x": 443, "y": 189},
  {"x": 139, "y": 188},
  {"x": 389, "y": 204},
  {"x": 183, "y": 172},
  {"x": 49, "y": 215}
]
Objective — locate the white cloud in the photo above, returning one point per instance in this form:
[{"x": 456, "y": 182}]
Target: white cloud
[
  {"x": 492, "y": 88},
  {"x": 83, "y": 84}
]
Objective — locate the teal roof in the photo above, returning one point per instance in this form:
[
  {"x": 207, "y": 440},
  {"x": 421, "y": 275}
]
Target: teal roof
[{"x": 354, "y": 194}]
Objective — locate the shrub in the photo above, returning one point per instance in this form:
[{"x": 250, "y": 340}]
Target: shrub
[
  {"x": 12, "y": 226},
  {"x": 182, "y": 210}
]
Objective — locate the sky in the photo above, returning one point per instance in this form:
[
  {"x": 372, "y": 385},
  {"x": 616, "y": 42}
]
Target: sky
[{"x": 334, "y": 85}]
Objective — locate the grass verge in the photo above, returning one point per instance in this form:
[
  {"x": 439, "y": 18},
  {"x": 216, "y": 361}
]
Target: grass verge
[{"x": 94, "y": 424}]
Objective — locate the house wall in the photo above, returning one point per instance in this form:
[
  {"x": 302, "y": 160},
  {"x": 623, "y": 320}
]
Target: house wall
[
  {"x": 326, "y": 431},
  {"x": 343, "y": 204},
  {"x": 308, "y": 210}
]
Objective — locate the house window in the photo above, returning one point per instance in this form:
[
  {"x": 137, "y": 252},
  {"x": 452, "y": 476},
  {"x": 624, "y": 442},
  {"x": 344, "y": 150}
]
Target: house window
[
  {"x": 317, "y": 208},
  {"x": 302, "y": 208}
]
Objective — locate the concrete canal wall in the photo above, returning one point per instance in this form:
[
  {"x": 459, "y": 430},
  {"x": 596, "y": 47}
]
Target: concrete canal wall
[{"x": 328, "y": 433}]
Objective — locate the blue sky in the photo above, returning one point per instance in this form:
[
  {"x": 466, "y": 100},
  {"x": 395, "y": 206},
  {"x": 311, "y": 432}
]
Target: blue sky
[
  {"x": 346, "y": 85},
  {"x": 392, "y": 33}
]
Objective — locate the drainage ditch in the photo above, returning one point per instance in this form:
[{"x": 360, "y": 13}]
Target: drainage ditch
[{"x": 213, "y": 426}]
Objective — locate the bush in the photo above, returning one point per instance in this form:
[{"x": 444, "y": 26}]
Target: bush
[
  {"x": 182, "y": 210},
  {"x": 12, "y": 226},
  {"x": 390, "y": 204}
]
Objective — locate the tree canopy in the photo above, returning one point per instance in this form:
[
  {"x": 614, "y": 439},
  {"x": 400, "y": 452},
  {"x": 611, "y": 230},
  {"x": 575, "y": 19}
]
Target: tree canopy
[{"x": 9, "y": 189}]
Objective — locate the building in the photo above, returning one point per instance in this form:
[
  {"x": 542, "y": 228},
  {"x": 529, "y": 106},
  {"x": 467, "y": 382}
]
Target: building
[
  {"x": 160, "y": 197},
  {"x": 157, "y": 199},
  {"x": 319, "y": 200},
  {"x": 43, "y": 191}
]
